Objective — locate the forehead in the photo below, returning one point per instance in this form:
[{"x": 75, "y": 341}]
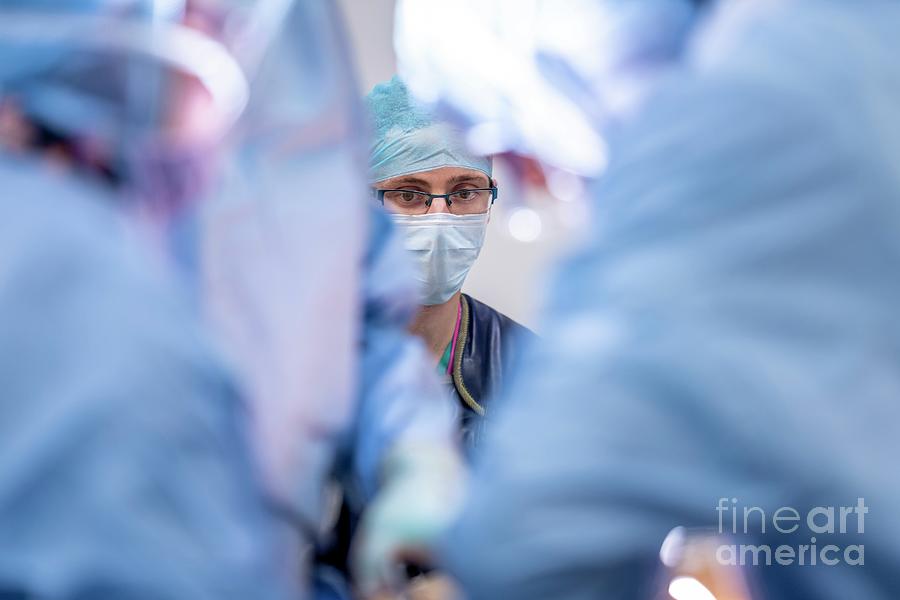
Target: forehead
[{"x": 436, "y": 178}]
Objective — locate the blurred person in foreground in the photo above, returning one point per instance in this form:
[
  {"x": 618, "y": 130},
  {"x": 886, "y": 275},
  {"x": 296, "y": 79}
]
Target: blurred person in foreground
[
  {"x": 311, "y": 294},
  {"x": 439, "y": 195},
  {"x": 135, "y": 463},
  {"x": 726, "y": 337},
  {"x": 124, "y": 468}
]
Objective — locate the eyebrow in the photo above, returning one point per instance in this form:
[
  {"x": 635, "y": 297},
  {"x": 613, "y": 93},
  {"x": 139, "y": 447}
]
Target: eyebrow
[
  {"x": 478, "y": 179},
  {"x": 455, "y": 180},
  {"x": 411, "y": 181}
]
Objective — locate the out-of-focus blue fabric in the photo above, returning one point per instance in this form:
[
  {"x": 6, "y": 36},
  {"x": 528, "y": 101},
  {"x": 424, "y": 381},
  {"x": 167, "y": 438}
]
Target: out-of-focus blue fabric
[
  {"x": 124, "y": 466},
  {"x": 401, "y": 403},
  {"x": 407, "y": 139},
  {"x": 21, "y": 66},
  {"x": 277, "y": 256},
  {"x": 80, "y": 88},
  {"x": 728, "y": 330},
  {"x": 281, "y": 246},
  {"x": 305, "y": 280}
]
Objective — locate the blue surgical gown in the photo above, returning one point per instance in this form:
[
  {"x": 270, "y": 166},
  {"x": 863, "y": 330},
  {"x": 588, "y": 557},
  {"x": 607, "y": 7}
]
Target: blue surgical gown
[
  {"x": 124, "y": 468},
  {"x": 729, "y": 329}
]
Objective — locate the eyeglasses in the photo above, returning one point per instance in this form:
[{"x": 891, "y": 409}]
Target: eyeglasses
[{"x": 461, "y": 202}]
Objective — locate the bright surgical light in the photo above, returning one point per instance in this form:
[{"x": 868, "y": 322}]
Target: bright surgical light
[
  {"x": 550, "y": 76},
  {"x": 514, "y": 97},
  {"x": 688, "y": 588},
  {"x": 525, "y": 224}
]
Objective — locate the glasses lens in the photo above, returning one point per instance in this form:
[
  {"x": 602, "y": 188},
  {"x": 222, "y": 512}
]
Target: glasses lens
[
  {"x": 469, "y": 202},
  {"x": 406, "y": 202}
]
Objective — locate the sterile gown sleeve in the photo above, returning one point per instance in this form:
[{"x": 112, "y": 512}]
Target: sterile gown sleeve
[
  {"x": 124, "y": 469},
  {"x": 401, "y": 402},
  {"x": 729, "y": 330}
]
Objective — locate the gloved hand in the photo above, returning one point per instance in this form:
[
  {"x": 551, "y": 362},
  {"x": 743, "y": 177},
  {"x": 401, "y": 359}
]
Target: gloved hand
[{"x": 422, "y": 493}]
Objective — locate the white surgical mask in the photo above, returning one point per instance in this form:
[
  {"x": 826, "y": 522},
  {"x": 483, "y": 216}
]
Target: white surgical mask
[{"x": 444, "y": 247}]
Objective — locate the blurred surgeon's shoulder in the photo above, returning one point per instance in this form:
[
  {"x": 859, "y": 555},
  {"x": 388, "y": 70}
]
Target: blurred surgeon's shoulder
[
  {"x": 123, "y": 466},
  {"x": 731, "y": 333}
]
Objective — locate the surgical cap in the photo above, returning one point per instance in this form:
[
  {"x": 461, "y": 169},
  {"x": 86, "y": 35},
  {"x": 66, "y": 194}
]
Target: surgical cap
[
  {"x": 407, "y": 139},
  {"x": 59, "y": 76},
  {"x": 21, "y": 57}
]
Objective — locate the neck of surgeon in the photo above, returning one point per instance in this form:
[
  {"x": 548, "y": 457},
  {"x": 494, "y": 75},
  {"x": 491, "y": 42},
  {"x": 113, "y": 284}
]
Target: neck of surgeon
[{"x": 435, "y": 325}]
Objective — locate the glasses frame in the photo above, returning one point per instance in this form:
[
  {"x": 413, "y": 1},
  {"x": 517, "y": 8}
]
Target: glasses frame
[{"x": 493, "y": 190}]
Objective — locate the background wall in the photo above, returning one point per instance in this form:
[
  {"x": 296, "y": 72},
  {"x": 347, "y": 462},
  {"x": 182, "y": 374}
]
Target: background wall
[
  {"x": 370, "y": 25},
  {"x": 510, "y": 272}
]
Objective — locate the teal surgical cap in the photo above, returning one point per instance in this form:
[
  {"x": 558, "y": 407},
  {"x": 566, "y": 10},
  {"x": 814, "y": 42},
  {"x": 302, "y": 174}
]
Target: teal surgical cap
[{"x": 407, "y": 139}]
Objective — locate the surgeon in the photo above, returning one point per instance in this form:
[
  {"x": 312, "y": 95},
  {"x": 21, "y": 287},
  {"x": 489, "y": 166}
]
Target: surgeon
[
  {"x": 723, "y": 349},
  {"x": 439, "y": 195}
]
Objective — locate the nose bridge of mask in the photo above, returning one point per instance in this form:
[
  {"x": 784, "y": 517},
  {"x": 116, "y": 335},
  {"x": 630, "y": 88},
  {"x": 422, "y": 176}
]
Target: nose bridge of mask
[{"x": 443, "y": 231}]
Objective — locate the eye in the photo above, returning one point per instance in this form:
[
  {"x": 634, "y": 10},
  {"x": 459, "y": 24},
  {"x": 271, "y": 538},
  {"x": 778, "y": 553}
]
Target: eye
[
  {"x": 468, "y": 196},
  {"x": 403, "y": 196}
]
